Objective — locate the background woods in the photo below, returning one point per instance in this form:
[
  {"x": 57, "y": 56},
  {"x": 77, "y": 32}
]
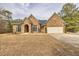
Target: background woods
[
  {"x": 70, "y": 14},
  {"x": 5, "y": 21}
]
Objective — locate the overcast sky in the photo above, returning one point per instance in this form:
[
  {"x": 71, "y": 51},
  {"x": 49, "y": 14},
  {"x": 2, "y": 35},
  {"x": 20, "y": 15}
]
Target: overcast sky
[{"x": 40, "y": 10}]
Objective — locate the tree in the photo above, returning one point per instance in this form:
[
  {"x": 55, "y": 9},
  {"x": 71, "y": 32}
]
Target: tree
[
  {"x": 70, "y": 14},
  {"x": 6, "y": 16}
]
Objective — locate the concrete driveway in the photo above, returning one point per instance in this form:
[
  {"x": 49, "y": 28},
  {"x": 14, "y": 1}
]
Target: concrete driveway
[{"x": 72, "y": 39}]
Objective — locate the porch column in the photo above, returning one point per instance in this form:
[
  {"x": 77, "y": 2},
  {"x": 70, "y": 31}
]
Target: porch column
[
  {"x": 22, "y": 28},
  {"x": 14, "y": 28},
  {"x": 29, "y": 28}
]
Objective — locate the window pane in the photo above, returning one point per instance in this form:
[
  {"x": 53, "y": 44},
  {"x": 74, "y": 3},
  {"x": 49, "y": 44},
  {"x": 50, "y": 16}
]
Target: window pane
[{"x": 34, "y": 27}]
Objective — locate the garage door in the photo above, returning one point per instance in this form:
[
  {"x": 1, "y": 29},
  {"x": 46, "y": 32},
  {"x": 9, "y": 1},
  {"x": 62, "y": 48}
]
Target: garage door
[{"x": 54, "y": 29}]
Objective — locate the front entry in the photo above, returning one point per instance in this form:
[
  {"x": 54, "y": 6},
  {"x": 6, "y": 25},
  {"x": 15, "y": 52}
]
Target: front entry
[{"x": 26, "y": 28}]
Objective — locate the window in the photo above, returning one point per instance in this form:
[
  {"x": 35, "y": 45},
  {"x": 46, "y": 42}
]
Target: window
[
  {"x": 18, "y": 28},
  {"x": 34, "y": 28}
]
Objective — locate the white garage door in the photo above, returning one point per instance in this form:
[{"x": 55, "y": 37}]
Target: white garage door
[{"x": 54, "y": 29}]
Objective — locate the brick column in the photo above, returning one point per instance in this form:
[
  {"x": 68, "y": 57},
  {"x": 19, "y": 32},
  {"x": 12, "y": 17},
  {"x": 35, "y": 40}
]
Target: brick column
[{"x": 29, "y": 28}]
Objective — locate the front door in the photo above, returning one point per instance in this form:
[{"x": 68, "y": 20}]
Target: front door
[{"x": 26, "y": 28}]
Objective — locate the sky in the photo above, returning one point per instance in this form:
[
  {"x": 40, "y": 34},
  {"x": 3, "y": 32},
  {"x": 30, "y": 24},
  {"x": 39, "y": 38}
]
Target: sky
[{"x": 41, "y": 11}]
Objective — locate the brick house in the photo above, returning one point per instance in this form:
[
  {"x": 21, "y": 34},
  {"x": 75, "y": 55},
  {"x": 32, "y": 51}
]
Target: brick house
[{"x": 55, "y": 24}]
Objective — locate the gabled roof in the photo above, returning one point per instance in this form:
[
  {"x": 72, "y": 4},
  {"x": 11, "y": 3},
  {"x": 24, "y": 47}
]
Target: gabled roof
[
  {"x": 55, "y": 21},
  {"x": 33, "y": 19},
  {"x": 27, "y": 20}
]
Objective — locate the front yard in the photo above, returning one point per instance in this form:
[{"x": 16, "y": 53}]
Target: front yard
[{"x": 34, "y": 44}]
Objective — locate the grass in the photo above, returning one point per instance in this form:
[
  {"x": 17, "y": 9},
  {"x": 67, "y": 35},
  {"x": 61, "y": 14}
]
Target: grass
[{"x": 36, "y": 45}]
